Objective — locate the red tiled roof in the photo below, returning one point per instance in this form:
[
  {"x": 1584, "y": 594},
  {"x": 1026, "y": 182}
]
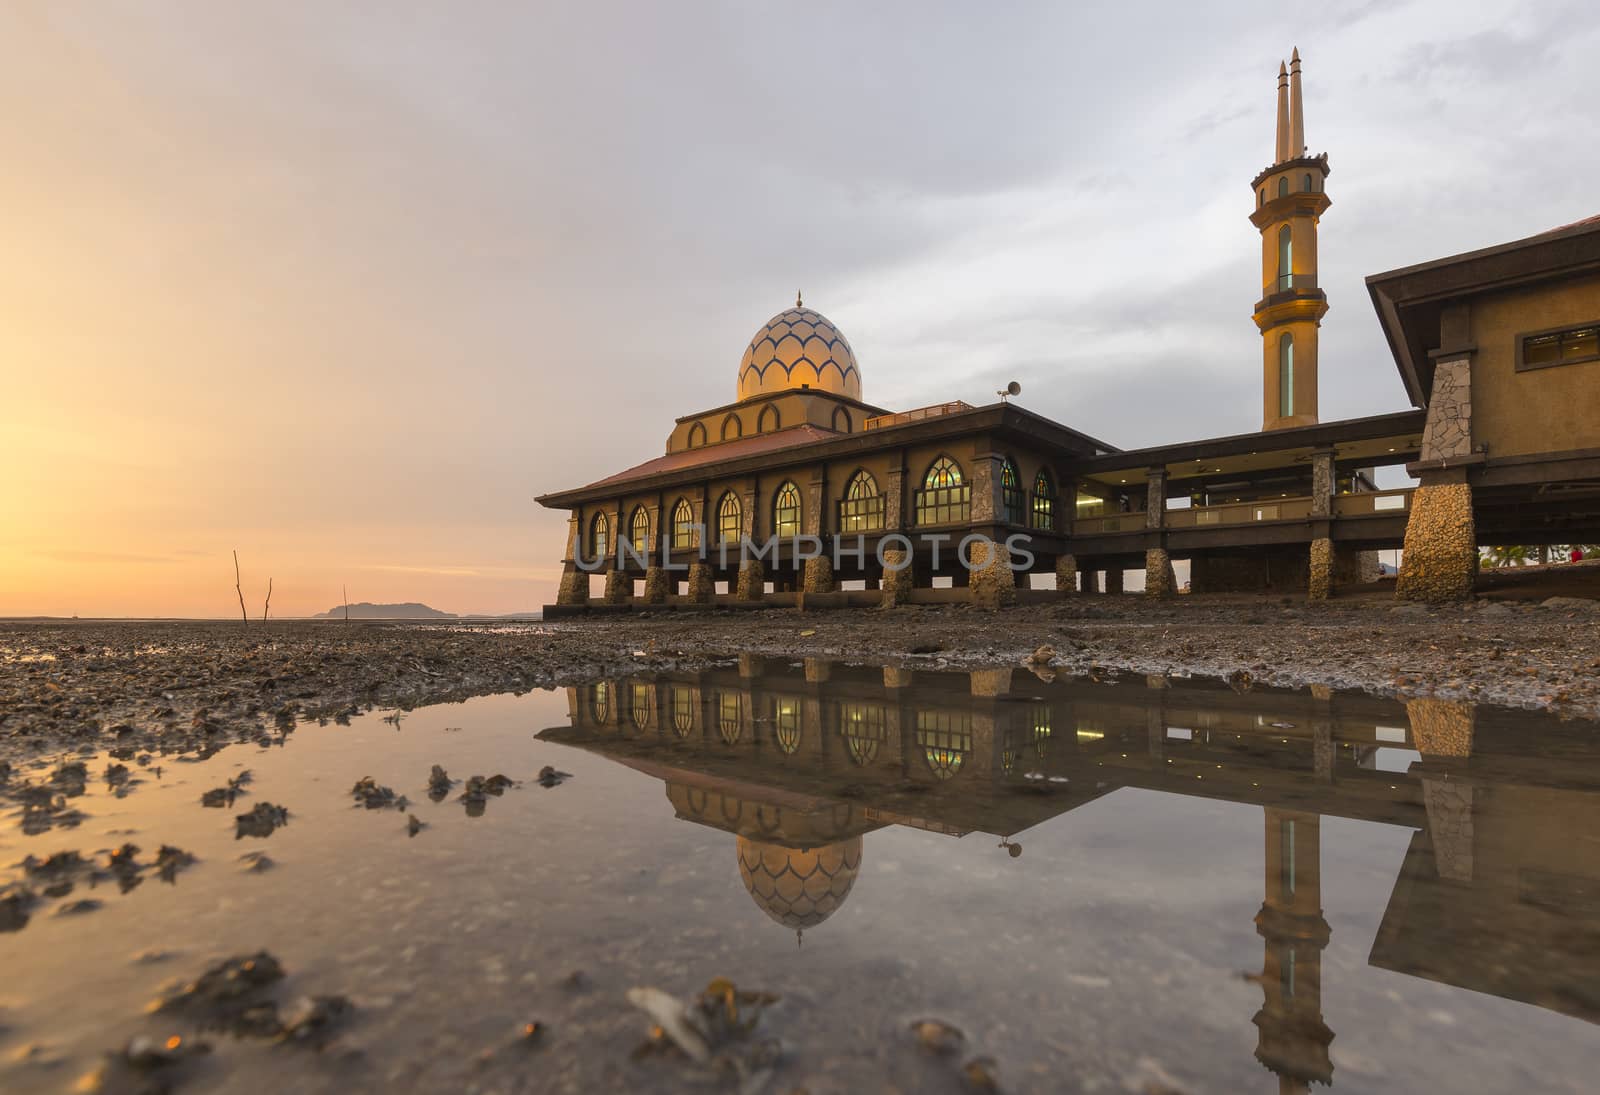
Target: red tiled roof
[
  {"x": 1575, "y": 224},
  {"x": 714, "y": 454}
]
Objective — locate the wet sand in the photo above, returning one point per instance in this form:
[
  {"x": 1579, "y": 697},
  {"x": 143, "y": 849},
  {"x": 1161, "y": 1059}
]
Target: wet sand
[{"x": 167, "y": 686}]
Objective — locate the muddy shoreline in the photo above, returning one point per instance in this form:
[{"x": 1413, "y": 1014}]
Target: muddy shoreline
[{"x": 180, "y": 686}]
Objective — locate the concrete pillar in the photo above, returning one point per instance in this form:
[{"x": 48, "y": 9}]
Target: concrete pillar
[
  {"x": 1114, "y": 579},
  {"x": 1159, "y": 581},
  {"x": 1441, "y": 546},
  {"x": 1066, "y": 574},
  {"x": 574, "y": 587},
  {"x": 702, "y": 587},
  {"x": 896, "y": 583},
  {"x": 1320, "y": 584},
  {"x": 656, "y": 586}
]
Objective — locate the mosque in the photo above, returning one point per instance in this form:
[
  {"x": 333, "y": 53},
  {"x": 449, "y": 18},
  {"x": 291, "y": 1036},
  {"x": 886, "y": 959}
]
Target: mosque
[
  {"x": 799, "y": 764},
  {"x": 857, "y": 504}
]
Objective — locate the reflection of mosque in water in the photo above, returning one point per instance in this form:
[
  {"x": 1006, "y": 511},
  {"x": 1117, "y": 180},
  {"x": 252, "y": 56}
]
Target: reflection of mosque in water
[{"x": 800, "y": 765}]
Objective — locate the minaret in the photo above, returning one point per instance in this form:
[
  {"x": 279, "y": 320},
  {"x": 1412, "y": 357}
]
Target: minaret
[
  {"x": 1290, "y": 198},
  {"x": 1292, "y": 1038}
]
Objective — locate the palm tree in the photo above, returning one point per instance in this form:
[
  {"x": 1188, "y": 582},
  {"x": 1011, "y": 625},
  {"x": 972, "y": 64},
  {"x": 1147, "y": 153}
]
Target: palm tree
[{"x": 1507, "y": 555}]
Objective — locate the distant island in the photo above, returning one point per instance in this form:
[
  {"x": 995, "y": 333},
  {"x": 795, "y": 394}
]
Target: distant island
[{"x": 366, "y": 610}]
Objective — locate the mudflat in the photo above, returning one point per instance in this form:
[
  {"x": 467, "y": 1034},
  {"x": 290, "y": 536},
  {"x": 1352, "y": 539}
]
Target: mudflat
[{"x": 179, "y": 685}]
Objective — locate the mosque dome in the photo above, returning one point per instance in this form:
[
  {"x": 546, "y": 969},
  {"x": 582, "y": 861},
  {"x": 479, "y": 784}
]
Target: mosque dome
[
  {"x": 799, "y": 348},
  {"x": 799, "y": 888}
]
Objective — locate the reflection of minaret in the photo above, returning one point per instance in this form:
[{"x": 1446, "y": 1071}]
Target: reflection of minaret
[{"x": 1293, "y": 1040}]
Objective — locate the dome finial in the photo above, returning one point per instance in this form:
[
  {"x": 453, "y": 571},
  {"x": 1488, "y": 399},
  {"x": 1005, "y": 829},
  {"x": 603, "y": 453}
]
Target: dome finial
[{"x": 798, "y": 301}]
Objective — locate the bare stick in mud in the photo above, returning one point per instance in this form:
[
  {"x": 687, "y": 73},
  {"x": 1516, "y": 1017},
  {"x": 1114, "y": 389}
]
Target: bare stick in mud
[
  {"x": 238, "y": 588},
  {"x": 345, "y": 592},
  {"x": 267, "y": 607}
]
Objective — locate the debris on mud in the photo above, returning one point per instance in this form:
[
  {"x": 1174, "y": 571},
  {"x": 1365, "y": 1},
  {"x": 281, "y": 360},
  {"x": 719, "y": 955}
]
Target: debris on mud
[
  {"x": 938, "y": 1037},
  {"x": 144, "y": 1066},
  {"x": 439, "y": 783},
  {"x": 262, "y": 821},
  {"x": 478, "y": 789},
  {"x": 256, "y": 862},
  {"x": 714, "y": 1029},
  {"x": 369, "y": 793},
  {"x": 223, "y": 796},
  {"x": 414, "y": 825},
  {"x": 549, "y": 777},
  {"x": 235, "y": 997}
]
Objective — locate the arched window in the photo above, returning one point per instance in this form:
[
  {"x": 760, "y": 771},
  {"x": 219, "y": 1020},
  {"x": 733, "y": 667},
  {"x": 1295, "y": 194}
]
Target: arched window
[
  {"x": 600, "y": 702},
  {"x": 729, "y": 724},
  {"x": 945, "y": 739},
  {"x": 682, "y": 711},
  {"x": 786, "y": 725},
  {"x": 1044, "y": 501},
  {"x": 600, "y": 535},
  {"x": 767, "y": 421},
  {"x": 639, "y": 706},
  {"x": 1013, "y": 501},
  {"x": 786, "y": 512},
  {"x": 1283, "y": 186},
  {"x": 1285, "y": 258},
  {"x": 683, "y": 529},
  {"x": 697, "y": 435},
  {"x": 841, "y": 420},
  {"x": 732, "y": 428},
  {"x": 862, "y": 507},
  {"x": 639, "y": 529},
  {"x": 1286, "y": 375},
  {"x": 729, "y": 518},
  {"x": 1041, "y": 730},
  {"x": 945, "y": 497},
  {"x": 1305, "y": 183},
  {"x": 1261, "y": 197},
  {"x": 863, "y": 728}
]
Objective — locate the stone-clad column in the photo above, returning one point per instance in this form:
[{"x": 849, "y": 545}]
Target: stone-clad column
[
  {"x": 1066, "y": 574},
  {"x": 1319, "y": 584},
  {"x": 992, "y": 581},
  {"x": 1441, "y": 546},
  {"x": 896, "y": 585},
  {"x": 751, "y": 585},
  {"x": 818, "y": 576},
  {"x": 574, "y": 587},
  {"x": 986, "y": 487},
  {"x": 895, "y": 496},
  {"x": 1155, "y": 510},
  {"x": 1159, "y": 580}
]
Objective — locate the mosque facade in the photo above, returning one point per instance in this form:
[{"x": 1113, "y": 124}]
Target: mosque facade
[{"x": 800, "y": 492}]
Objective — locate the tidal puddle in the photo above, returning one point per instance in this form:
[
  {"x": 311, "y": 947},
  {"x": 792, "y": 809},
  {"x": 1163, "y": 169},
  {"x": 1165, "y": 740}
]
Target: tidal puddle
[{"x": 1147, "y": 885}]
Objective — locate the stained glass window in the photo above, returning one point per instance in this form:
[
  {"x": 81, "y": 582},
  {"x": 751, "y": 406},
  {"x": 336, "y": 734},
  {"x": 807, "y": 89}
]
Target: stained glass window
[
  {"x": 863, "y": 729},
  {"x": 863, "y": 507},
  {"x": 683, "y": 530},
  {"x": 1044, "y": 501},
  {"x": 786, "y": 512},
  {"x": 729, "y": 518},
  {"x": 945, "y": 497},
  {"x": 945, "y": 739}
]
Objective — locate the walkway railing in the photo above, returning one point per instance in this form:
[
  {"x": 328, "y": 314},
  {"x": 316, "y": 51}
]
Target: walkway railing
[{"x": 1383, "y": 501}]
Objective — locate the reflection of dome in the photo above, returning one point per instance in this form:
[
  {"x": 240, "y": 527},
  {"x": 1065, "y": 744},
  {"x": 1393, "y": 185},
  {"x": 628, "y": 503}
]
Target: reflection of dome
[
  {"x": 799, "y": 889},
  {"x": 799, "y": 348}
]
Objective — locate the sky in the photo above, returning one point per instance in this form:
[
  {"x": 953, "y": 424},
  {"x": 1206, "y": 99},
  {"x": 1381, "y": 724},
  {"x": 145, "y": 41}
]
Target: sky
[{"x": 343, "y": 287}]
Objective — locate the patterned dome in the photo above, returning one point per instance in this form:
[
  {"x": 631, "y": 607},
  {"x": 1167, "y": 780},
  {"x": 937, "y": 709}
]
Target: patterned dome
[
  {"x": 799, "y": 348},
  {"x": 799, "y": 889}
]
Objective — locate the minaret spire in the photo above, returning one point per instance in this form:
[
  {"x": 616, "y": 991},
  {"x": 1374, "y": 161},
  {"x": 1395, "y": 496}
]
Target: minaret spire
[
  {"x": 1297, "y": 114},
  {"x": 1283, "y": 115}
]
